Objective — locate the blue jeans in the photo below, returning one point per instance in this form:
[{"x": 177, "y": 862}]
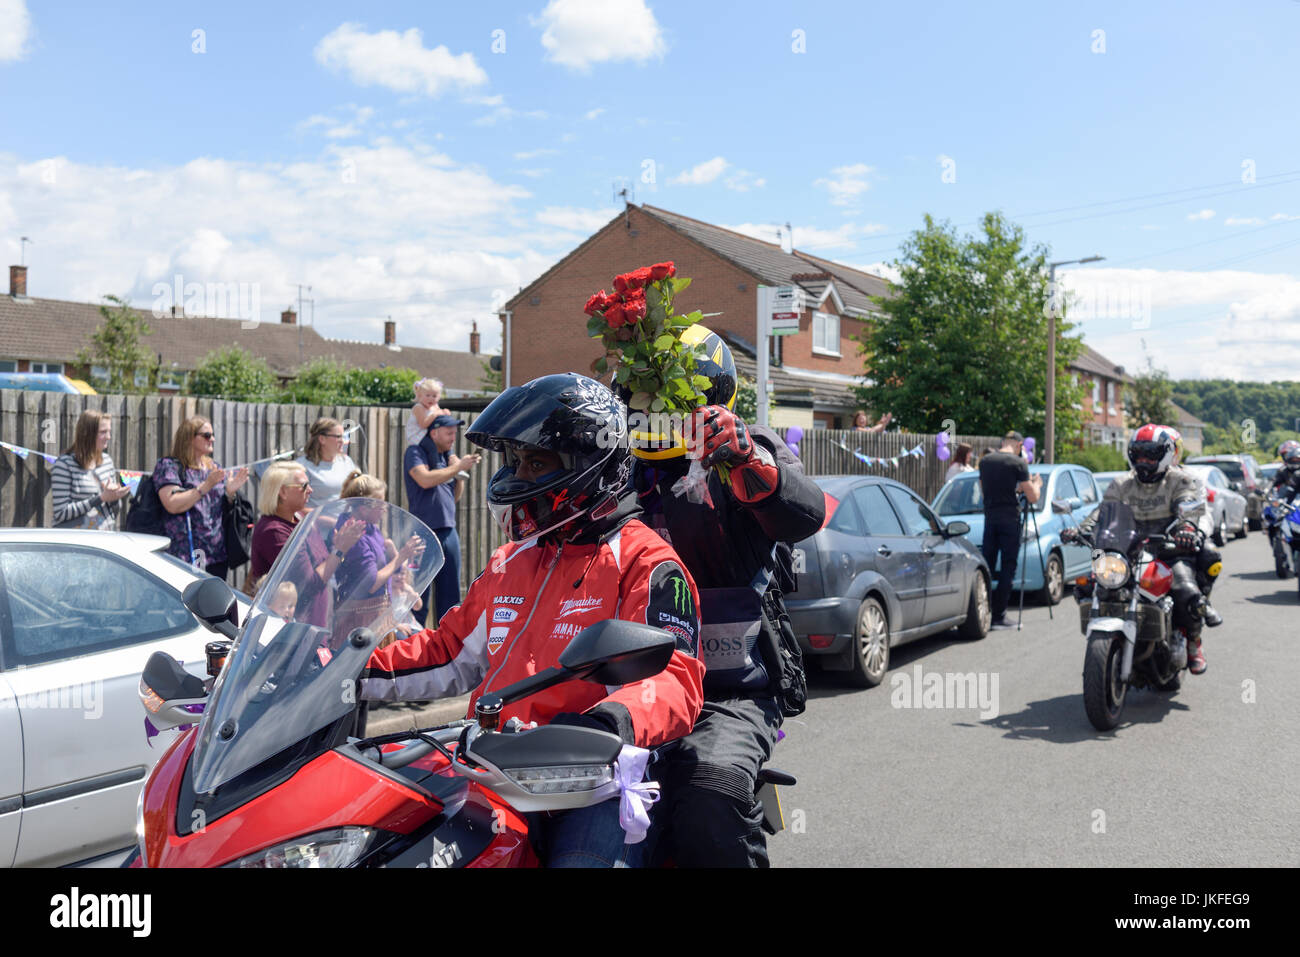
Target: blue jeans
[
  {"x": 587, "y": 837},
  {"x": 446, "y": 584}
]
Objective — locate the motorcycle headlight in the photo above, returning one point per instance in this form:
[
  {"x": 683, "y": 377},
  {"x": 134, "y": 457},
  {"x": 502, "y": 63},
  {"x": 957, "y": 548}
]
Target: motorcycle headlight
[
  {"x": 564, "y": 778},
  {"x": 1110, "y": 570},
  {"x": 337, "y": 847}
]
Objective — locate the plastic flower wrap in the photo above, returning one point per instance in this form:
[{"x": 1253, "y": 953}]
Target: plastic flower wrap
[{"x": 642, "y": 336}]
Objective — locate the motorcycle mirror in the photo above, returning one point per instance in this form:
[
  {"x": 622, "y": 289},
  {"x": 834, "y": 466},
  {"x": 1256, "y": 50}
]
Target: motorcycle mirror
[
  {"x": 614, "y": 652},
  {"x": 213, "y": 603}
]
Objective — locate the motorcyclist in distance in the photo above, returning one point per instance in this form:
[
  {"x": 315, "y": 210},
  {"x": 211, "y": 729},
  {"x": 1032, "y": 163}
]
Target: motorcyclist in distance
[
  {"x": 1168, "y": 499},
  {"x": 576, "y": 555}
]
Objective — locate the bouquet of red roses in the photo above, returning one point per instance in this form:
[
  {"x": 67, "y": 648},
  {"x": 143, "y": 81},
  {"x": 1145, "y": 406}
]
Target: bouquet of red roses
[{"x": 642, "y": 336}]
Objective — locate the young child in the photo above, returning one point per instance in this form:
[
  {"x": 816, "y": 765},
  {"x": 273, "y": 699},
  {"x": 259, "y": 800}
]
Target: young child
[
  {"x": 425, "y": 410},
  {"x": 285, "y": 602}
]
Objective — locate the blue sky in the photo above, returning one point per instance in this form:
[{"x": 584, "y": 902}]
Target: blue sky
[{"x": 424, "y": 160}]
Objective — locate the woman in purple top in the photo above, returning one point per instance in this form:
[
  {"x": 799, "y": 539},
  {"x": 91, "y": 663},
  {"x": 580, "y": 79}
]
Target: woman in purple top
[{"x": 190, "y": 485}]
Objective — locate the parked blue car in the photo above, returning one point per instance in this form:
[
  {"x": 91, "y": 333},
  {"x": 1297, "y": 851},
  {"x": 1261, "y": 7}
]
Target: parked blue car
[{"x": 1071, "y": 485}]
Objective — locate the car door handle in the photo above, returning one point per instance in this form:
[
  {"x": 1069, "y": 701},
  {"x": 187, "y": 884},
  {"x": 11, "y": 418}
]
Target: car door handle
[
  {"x": 927, "y": 550},
  {"x": 884, "y": 550}
]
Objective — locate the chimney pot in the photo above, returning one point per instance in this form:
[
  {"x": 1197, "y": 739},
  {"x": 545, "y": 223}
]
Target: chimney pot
[
  {"x": 17, "y": 280},
  {"x": 474, "y": 339},
  {"x": 289, "y": 317},
  {"x": 390, "y": 332}
]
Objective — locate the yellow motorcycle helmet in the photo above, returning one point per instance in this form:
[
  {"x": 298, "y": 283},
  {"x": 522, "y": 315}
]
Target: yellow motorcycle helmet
[{"x": 654, "y": 438}]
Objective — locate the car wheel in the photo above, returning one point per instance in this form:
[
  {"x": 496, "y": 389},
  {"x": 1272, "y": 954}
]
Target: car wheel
[
  {"x": 979, "y": 613},
  {"x": 1220, "y": 536},
  {"x": 1241, "y": 532},
  {"x": 1053, "y": 589},
  {"x": 870, "y": 645}
]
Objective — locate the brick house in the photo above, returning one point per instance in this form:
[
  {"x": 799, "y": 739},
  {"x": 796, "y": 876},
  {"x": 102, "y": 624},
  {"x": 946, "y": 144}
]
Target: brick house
[
  {"x": 45, "y": 335},
  {"x": 1103, "y": 402},
  {"x": 812, "y": 371},
  {"x": 1192, "y": 428}
]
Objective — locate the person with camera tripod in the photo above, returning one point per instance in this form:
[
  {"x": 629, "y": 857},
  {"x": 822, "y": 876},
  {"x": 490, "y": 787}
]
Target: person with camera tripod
[{"x": 1004, "y": 475}]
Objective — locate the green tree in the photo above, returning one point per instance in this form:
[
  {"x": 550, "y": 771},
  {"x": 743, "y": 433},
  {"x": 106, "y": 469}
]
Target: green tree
[
  {"x": 1150, "y": 398},
  {"x": 328, "y": 382},
  {"x": 319, "y": 382},
  {"x": 232, "y": 373},
  {"x": 492, "y": 381},
  {"x": 964, "y": 337},
  {"x": 116, "y": 346}
]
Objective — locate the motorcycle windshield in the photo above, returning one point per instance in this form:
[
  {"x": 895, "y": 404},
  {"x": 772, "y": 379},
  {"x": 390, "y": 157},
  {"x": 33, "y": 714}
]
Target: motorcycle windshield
[
  {"x": 293, "y": 668},
  {"x": 1116, "y": 527}
]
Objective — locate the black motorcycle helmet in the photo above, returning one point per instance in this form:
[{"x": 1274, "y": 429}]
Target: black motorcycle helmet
[{"x": 573, "y": 416}]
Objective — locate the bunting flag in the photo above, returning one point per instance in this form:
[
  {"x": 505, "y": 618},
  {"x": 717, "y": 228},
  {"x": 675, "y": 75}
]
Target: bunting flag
[
  {"x": 131, "y": 477},
  {"x": 891, "y": 462},
  {"x": 22, "y": 453}
]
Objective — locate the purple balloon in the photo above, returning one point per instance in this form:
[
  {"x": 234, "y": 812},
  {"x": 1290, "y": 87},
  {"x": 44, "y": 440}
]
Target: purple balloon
[
  {"x": 1030, "y": 444},
  {"x": 793, "y": 435},
  {"x": 941, "y": 440},
  {"x": 944, "y": 453},
  {"x": 1029, "y": 455},
  {"x": 794, "y": 449}
]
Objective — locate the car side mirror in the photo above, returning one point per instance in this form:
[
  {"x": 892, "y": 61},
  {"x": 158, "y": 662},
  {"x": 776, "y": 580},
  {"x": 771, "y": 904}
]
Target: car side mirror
[
  {"x": 953, "y": 529},
  {"x": 213, "y": 602},
  {"x": 1061, "y": 506}
]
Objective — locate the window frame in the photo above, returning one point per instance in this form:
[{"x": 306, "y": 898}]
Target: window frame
[
  {"x": 822, "y": 318},
  {"x": 936, "y": 525},
  {"x": 9, "y": 656}
]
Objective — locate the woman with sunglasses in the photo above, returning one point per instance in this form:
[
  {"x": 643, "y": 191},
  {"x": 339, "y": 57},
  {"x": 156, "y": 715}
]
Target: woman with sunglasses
[
  {"x": 190, "y": 485},
  {"x": 326, "y": 464}
]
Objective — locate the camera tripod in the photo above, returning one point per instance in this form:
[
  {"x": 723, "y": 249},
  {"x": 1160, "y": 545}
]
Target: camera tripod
[{"x": 1027, "y": 513}]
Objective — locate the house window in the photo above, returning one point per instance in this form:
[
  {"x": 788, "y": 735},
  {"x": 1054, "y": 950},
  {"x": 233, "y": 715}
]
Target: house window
[
  {"x": 826, "y": 334},
  {"x": 8, "y": 365},
  {"x": 1096, "y": 395},
  {"x": 173, "y": 379},
  {"x": 99, "y": 375},
  {"x": 56, "y": 367}
]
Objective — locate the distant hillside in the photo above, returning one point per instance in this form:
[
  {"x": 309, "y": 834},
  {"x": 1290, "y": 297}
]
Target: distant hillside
[{"x": 1234, "y": 410}]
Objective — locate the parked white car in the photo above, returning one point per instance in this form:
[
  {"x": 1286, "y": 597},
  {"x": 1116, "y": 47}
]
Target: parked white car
[{"x": 80, "y": 614}]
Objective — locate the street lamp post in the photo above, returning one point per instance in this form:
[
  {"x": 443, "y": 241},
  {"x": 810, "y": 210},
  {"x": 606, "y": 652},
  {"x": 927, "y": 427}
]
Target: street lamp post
[{"x": 1050, "y": 437}]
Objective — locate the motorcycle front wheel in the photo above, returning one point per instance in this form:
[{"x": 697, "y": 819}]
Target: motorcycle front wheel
[
  {"x": 1279, "y": 560},
  {"x": 1103, "y": 691}
]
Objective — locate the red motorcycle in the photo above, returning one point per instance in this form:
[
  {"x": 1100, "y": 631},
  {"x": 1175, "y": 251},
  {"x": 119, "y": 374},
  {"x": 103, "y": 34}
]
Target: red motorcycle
[{"x": 273, "y": 776}]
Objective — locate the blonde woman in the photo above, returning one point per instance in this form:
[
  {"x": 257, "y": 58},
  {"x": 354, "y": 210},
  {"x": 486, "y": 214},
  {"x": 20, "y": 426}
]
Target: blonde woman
[
  {"x": 364, "y": 574},
  {"x": 190, "y": 485},
  {"x": 326, "y": 464},
  {"x": 84, "y": 480}
]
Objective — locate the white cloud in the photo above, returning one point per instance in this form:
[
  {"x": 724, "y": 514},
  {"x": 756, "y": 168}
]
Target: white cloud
[
  {"x": 592, "y": 114},
  {"x": 1283, "y": 216},
  {"x": 15, "y": 29},
  {"x": 702, "y": 173},
  {"x": 742, "y": 181},
  {"x": 340, "y": 129},
  {"x": 810, "y": 237},
  {"x": 509, "y": 113},
  {"x": 846, "y": 183},
  {"x": 1243, "y": 221},
  {"x": 884, "y": 270},
  {"x": 440, "y": 237},
  {"x": 575, "y": 218},
  {"x": 398, "y": 61},
  {"x": 1203, "y": 214},
  {"x": 1213, "y": 324},
  {"x": 579, "y": 33}
]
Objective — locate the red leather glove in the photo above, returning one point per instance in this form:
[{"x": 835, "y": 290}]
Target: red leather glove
[{"x": 721, "y": 438}]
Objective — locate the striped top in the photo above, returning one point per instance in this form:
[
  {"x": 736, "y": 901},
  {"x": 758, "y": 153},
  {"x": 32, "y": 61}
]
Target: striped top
[{"x": 77, "y": 503}]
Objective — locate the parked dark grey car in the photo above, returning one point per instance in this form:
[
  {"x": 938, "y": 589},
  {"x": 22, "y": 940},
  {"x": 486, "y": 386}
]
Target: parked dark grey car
[{"x": 882, "y": 572}]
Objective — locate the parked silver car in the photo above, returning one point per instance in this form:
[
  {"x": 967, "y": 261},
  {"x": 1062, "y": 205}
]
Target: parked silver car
[
  {"x": 884, "y": 570},
  {"x": 1227, "y": 507},
  {"x": 80, "y": 614}
]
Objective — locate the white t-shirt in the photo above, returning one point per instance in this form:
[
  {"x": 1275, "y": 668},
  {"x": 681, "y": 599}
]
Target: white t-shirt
[
  {"x": 957, "y": 469},
  {"x": 414, "y": 432},
  {"x": 327, "y": 478}
]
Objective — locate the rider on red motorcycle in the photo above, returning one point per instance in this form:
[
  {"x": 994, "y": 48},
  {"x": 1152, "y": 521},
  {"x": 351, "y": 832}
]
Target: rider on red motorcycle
[
  {"x": 577, "y": 554},
  {"x": 1159, "y": 492}
]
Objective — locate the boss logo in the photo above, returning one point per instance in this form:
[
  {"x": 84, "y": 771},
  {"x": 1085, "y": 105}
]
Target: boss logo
[
  {"x": 502, "y": 615},
  {"x": 725, "y": 646}
]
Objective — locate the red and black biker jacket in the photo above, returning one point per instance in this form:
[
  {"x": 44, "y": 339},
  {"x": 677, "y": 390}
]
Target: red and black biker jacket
[{"x": 527, "y": 605}]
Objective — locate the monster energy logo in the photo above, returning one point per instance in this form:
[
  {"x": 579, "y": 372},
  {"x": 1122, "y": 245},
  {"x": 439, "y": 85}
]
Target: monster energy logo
[{"x": 681, "y": 596}]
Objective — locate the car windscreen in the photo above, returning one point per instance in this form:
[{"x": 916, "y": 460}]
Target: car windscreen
[
  {"x": 1229, "y": 468},
  {"x": 961, "y": 496}
]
